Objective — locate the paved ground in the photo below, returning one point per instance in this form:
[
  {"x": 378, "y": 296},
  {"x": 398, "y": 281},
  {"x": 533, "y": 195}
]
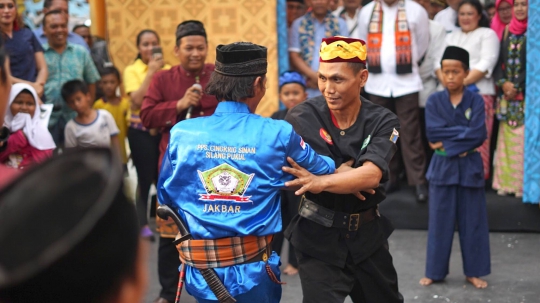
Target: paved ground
[{"x": 515, "y": 274}]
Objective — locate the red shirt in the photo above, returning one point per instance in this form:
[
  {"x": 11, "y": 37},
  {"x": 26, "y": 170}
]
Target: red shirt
[
  {"x": 167, "y": 87},
  {"x": 24, "y": 153}
]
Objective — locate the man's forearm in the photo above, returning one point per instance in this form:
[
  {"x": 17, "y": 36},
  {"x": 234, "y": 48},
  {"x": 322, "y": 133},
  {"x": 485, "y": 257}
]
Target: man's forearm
[
  {"x": 362, "y": 178},
  {"x": 155, "y": 114}
]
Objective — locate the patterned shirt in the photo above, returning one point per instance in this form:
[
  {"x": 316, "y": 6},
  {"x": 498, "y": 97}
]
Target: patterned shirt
[{"x": 73, "y": 63}]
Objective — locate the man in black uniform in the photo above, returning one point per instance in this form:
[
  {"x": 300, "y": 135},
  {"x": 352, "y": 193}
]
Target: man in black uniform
[{"x": 339, "y": 236}]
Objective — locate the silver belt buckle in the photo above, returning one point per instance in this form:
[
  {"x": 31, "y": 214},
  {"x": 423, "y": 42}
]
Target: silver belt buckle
[{"x": 354, "y": 222}]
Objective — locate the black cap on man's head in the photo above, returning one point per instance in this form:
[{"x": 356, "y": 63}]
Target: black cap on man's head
[
  {"x": 241, "y": 59},
  {"x": 190, "y": 28}
]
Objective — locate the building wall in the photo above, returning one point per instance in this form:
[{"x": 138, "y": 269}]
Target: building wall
[{"x": 225, "y": 21}]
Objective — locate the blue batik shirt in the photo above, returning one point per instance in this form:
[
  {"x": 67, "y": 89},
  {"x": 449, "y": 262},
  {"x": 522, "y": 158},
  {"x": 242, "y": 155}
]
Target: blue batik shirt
[
  {"x": 223, "y": 174},
  {"x": 73, "y": 63}
]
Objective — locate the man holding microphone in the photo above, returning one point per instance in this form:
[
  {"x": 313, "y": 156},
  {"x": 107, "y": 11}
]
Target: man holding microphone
[{"x": 175, "y": 95}]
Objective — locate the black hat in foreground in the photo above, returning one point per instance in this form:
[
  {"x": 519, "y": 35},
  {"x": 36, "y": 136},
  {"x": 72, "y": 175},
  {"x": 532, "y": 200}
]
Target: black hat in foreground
[
  {"x": 190, "y": 28},
  {"x": 67, "y": 232},
  {"x": 241, "y": 59},
  {"x": 456, "y": 53}
]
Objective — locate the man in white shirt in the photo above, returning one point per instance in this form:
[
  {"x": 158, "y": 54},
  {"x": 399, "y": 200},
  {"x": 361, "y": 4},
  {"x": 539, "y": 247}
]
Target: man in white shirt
[
  {"x": 426, "y": 69},
  {"x": 396, "y": 43},
  {"x": 349, "y": 12},
  {"x": 448, "y": 16}
]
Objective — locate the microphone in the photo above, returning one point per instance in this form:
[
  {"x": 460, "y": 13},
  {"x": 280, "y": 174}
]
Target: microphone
[{"x": 190, "y": 109}]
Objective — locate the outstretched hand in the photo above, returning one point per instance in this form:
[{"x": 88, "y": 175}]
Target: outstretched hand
[
  {"x": 304, "y": 179},
  {"x": 308, "y": 182}
]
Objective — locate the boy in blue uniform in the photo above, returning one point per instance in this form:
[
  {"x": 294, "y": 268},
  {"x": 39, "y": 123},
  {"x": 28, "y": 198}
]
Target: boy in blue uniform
[
  {"x": 455, "y": 128},
  {"x": 222, "y": 174}
]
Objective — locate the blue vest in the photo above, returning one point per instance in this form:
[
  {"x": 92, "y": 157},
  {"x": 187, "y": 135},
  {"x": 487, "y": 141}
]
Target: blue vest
[{"x": 223, "y": 174}]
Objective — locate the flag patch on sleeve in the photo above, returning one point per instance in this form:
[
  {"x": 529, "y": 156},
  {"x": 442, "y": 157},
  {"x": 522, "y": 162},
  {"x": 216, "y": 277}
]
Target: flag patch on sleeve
[
  {"x": 394, "y": 136},
  {"x": 302, "y": 143}
]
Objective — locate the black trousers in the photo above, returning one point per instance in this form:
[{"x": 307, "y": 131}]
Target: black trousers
[
  {"x": 410, "y": 139},
  {"x": 168, "y": 264},
  {"x": 374, "y": 280},
  {"x": 145, "y": 154}
]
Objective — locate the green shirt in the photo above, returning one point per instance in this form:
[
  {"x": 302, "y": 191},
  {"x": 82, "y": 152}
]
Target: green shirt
[{"x": 73, "y": 63}]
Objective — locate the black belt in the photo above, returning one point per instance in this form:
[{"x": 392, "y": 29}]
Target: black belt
[{"x": 329, "y": 218}]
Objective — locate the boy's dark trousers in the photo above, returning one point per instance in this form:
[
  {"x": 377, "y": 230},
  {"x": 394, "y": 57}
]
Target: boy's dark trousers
[{"x": 449, "y": 204}]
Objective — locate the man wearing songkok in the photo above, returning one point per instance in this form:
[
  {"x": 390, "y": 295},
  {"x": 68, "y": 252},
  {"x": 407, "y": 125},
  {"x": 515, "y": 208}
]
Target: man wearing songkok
[
  {"x": 222, "y": 175},
  {"x": 304, "y": 36},
  {"x": 397, "y": 36},
  {"x": 339, "y": 236},
  {"x": 171, "y": 95},
  {"x": 456, "y": 128},
  {"x": 73, "y": 237}
]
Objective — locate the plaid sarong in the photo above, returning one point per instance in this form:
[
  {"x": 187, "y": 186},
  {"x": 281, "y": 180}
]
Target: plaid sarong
[{"x": 223, "y": 252}]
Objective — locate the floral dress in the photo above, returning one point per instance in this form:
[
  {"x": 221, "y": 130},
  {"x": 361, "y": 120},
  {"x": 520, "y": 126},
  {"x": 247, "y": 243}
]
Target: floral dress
[{"x": 508, "y": 162}]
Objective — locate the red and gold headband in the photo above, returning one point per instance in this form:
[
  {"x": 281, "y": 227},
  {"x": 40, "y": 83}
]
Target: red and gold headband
[{"x": 343, "y": 49}]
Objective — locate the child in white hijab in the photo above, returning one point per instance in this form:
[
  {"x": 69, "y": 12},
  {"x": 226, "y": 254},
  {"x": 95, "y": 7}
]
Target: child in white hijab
[{"x": 29, "y": 141}]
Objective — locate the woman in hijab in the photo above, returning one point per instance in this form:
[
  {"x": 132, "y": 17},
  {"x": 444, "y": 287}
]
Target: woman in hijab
[
  {"x": 510, "y": 76},
  {"x": 503, "y": 15},
  {"x": 29, "y": 141}
]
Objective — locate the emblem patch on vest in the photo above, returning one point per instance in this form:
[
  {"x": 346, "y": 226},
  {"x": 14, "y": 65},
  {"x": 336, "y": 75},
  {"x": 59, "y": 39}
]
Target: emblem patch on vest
[
  {"x": 326, "y": 136},
  {"x": 468, "y": 113},
  {"x": 366, "y": 142},
  {"x": 394, "y": 136},
  {"x": 225, "y": 183}
]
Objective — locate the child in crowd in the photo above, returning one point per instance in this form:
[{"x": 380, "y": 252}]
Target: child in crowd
[
  {"x": 90, "y": 128},
  {"x": 117, "y": 106},
  {"x": 455, "y": 128},
  {"x": 29, "y": 141},
  {"x": 292, "y": 91}
]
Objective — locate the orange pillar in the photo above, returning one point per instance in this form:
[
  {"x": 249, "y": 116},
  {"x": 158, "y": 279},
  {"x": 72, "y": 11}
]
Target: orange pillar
[{"x": 98, "y": 17}]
